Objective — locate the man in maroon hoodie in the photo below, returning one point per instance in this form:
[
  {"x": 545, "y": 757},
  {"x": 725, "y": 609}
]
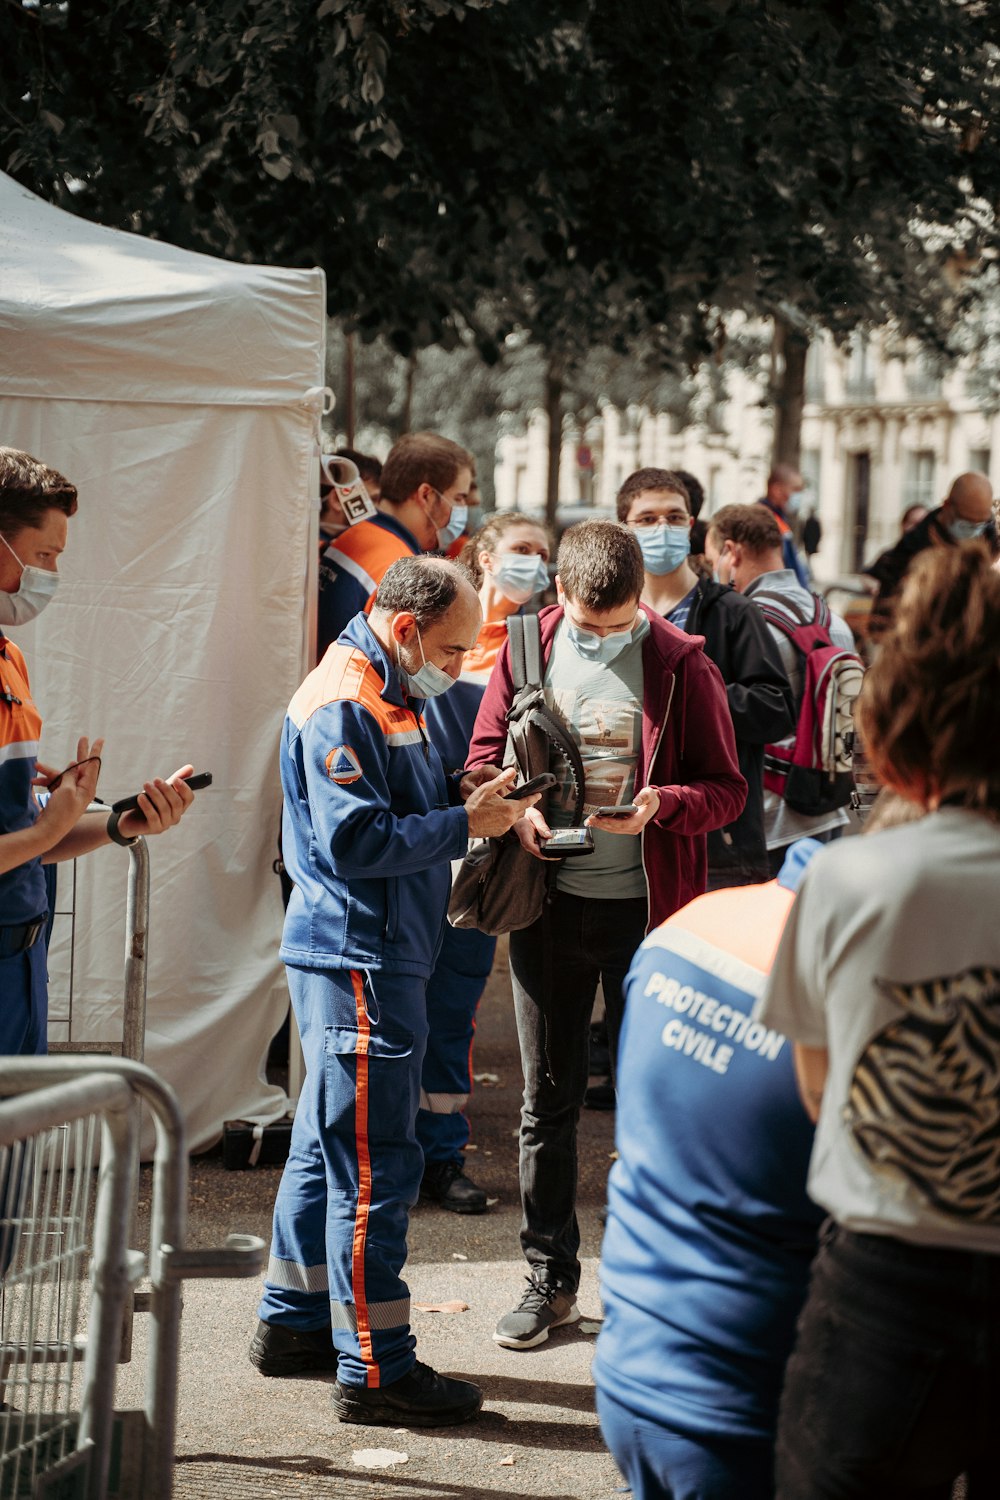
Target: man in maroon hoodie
[{"x": 648, "y": 710}]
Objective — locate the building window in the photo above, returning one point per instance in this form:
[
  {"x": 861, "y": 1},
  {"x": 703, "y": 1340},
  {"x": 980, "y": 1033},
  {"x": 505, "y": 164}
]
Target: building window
[
  {"x": 815, "y": 373},
  {"x": 860, "y": 382},
  {"x": 923, "y": 378},
  {"x": 809, "y": 462},
  {"x": 979, "y": 460},
  {"x": 918, "y": 479}
]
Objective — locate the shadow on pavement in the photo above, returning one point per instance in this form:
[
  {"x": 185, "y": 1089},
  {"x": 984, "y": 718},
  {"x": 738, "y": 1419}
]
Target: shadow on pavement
[{"x": 226, "y": 1474}]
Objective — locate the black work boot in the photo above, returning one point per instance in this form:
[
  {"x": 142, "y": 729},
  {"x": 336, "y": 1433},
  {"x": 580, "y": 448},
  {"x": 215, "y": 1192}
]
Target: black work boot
[
  {"x": 276, "y": 1350},
  {"x": 445, "y": 1184},
  {"x": 420, "y": 1398}
]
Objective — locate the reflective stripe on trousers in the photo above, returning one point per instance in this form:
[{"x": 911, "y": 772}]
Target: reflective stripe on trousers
[{"x": 353, "y": 1170}]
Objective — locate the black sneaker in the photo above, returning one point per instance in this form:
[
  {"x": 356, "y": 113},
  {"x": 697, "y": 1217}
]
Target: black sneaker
[
  {"x": 445, "y": 1184},
  {"x": 600, "y": 1095},
  {"x": 421, "y": 1398},
  {"x": 277, "y": 1350},
  {"x": 542, "y": 1307}
]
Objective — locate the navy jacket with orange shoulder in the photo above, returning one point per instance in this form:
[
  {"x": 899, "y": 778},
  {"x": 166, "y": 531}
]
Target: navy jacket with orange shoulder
[
  {"x": 368, "y": 832},
  {"x": 351, "y": 569},
  {"x": 688, "y": 754},
  {"x": 23, "y": 896}
]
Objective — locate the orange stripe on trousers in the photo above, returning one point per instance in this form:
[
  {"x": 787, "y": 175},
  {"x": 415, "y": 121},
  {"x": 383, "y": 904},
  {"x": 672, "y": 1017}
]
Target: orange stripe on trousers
[{"x": 364, "y": 1181}]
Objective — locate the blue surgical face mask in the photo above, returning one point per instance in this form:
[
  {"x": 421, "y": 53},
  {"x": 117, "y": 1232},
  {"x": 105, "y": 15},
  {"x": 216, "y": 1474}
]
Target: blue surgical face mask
[
  {"x": 519, "y": 577},
  {"x": 663, "y": 547},
  {"x": 604, "y": 648},
  {"x": 429, "y": 681},
  {"x": 966, "y": 531},
  {"x": 454, "y": 527}
]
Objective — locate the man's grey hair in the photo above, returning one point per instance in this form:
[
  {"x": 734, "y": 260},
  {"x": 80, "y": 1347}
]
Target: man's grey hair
[{"x": 425, "y": 587}]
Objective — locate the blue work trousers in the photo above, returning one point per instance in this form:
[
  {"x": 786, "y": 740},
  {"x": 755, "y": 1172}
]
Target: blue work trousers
[
  {"x": 663, "y": 1464},
  {"x": 24, "y": 1003},
  {"x": 454, "y": 991},
  {"x": 353, "y": 1170}
]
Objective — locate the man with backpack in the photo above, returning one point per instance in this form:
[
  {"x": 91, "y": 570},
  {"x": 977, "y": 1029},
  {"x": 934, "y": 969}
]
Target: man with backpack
[
  {"x": 807, "y": 778},
  {"x": 649, "y": 715}
]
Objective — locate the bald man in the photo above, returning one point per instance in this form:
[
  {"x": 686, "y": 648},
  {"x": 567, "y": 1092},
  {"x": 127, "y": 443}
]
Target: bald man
[
  {"x": 966, "y": 514},
  {"x": 371, "y": 825}
]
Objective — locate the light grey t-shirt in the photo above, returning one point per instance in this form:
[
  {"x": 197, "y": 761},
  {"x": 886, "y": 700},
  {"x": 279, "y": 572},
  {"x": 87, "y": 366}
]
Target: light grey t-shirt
[
  {"x": 891, "y": 961},
  {"x": 782, "y": 825},
  {"x": 602, "y": 706}
]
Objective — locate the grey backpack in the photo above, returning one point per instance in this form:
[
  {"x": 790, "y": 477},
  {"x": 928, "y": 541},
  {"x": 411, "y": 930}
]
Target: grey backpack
[{"x": 499, "y": 887}]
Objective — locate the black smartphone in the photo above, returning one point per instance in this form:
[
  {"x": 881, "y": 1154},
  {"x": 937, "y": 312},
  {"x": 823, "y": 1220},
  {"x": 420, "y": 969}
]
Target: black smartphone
[
  {"x": 529, "y": 788},
  {"x": 568, "y": 841},
  {"x": 197, "y": 783},
  {"x": 624, "y": 811}
]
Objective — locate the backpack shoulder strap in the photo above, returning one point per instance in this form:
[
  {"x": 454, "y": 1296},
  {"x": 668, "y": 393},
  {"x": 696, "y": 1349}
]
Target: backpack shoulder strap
[
  {"x": 532, "y": 634},
  {"x": 518, "y": 666}
]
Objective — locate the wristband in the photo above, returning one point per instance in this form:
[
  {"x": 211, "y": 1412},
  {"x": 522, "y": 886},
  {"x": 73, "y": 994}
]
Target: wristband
[{"x": 119, "y": 838}]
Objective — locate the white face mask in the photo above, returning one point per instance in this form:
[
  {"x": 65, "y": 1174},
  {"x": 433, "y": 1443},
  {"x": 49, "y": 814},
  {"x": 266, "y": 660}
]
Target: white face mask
[{"x": 36, "y": 589}]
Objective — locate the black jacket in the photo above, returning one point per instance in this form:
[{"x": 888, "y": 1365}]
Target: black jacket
[
  {"x": 763, "y": 710},
  {"x": 891, "y": 567}
]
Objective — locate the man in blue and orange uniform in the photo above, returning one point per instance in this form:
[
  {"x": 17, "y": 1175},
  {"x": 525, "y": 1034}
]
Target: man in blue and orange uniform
[
  {"x": 710, "y": 1236},
  {"x": 36, "y": 503},
  {"x": 370, "y": 828},
  {"x": 422, "y": 508},
  {"x": 783, "y": 483}
]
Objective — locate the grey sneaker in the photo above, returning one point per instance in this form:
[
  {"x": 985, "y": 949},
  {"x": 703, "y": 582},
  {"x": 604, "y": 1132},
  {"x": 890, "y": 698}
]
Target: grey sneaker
[{"x": 542, "y": 1307}]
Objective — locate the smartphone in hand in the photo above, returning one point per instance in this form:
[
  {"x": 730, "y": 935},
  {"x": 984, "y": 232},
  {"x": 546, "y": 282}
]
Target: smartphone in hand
[
  {"x": 624, "y": 811},
  {"x": 130, "y": 804},
  {"x": 529, "y": 788}
]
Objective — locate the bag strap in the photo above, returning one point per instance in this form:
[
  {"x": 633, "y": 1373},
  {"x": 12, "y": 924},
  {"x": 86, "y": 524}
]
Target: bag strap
[
  {"x": 518, "y": 665},
  {"x": 532, "y": 634},
  {"x": 776, "y": 608},
  {"x": 525, "y": 636}
]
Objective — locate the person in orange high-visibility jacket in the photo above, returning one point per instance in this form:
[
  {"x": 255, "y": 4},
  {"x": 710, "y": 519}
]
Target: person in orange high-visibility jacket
[{"x": 423, "y": 507}]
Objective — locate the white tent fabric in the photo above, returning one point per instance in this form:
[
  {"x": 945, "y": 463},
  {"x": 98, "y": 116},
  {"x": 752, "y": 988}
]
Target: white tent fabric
[{"x": 181, "y": 394}]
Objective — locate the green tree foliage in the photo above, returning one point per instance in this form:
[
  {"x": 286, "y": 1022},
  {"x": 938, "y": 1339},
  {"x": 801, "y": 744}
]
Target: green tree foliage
[{"x": 593, "y": 175}]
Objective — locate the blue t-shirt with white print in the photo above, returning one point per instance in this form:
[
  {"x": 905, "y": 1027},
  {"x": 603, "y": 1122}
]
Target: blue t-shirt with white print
[{"x": 710, "y": 1234}]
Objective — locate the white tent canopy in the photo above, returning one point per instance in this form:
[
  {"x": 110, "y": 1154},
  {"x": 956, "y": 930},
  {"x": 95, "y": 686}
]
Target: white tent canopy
[{"x": 181, "y": 395}]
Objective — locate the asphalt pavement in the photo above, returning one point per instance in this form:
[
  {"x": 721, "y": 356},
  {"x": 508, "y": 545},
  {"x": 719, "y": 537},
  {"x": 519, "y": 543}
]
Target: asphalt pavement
[{"x": 244, "y": 1436}]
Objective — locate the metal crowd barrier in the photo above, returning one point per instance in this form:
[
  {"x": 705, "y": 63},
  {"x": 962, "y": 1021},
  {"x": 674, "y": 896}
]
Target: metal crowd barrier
[
  {"x": 67, "y": 1274},
  {"x": 133, "y": 1040}
]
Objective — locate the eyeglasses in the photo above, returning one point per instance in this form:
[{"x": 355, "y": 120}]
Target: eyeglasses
[{"x": 676, "y": 521}]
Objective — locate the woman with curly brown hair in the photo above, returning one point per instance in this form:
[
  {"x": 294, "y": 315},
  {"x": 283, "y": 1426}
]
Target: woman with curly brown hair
[{"x": 888, "y": 980}]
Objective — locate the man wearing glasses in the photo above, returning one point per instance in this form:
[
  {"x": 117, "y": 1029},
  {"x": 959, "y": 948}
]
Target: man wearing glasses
[{"x": 654, "y": 504}]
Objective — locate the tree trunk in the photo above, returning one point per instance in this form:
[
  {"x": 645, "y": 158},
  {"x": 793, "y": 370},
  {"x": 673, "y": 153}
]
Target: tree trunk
[
  {"x": 411, "y": 378},
  {"x": 553, "y": 410},
  {"x": 789, "y": 393},
  {"x": 350, "y": 394}
]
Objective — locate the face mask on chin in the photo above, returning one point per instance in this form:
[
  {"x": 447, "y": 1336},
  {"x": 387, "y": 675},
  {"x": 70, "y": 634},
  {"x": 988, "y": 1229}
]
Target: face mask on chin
[
  {"x": 966, "y": 531},
  {"x": 429, "y": 681},
  {"x": 37, "y": 589}
]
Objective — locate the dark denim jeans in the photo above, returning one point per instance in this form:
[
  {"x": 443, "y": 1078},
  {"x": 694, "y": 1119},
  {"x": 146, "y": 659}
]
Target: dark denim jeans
[
  {"x": 555, "y": 966},
  {"x": 894, "y": 1384}
]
